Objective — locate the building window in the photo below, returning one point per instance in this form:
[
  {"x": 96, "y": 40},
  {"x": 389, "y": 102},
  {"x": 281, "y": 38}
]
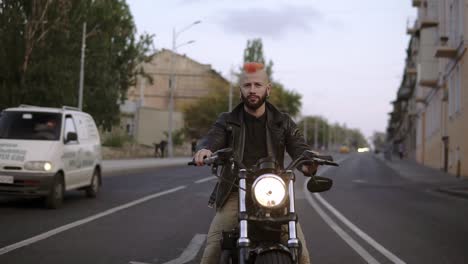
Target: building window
[
  {"x": 454, "y": 91},
  {"x": 456, "y": 14}
]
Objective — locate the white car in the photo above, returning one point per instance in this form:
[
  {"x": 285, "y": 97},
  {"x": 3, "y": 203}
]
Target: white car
[{"x": 47, "y": 151}]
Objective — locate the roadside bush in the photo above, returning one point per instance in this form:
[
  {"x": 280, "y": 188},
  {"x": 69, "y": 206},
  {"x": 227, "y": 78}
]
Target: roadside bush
[{"x": 116, "y": 139}]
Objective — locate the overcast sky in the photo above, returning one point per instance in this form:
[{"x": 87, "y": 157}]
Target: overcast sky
[{"x": 345, "y": 57}]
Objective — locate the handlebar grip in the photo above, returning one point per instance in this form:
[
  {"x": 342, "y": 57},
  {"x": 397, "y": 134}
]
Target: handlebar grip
[
  {"x": 325, "y": 157},
  {"x": 192, "y": 163}
]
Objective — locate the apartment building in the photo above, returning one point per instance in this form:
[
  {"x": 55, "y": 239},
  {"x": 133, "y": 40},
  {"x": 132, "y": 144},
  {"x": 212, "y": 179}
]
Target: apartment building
[
  {"x": 433, "y": 110},
  {"x": 145, "y": 113}
]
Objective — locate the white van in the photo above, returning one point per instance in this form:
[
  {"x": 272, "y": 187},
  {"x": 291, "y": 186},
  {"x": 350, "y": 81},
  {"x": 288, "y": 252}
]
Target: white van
[{"x": 47, "y": 151}]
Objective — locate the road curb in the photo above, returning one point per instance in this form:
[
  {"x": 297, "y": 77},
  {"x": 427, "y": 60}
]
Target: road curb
[
  {"x": 454, "y": 192},
  {"x": 135, "y": 165}
]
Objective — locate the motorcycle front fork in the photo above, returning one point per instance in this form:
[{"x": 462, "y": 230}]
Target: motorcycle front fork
[{"x": 243, "y": 242}]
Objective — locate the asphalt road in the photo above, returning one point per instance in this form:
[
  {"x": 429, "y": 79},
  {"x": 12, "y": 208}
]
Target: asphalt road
[{"x": 372, "y": 215}]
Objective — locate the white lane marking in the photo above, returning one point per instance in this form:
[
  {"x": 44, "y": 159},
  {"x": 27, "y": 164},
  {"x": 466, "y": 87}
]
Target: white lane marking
[
  {"x": 191, "y": 251},
  {"x": 206, "y": 179},
  {"x": 354, "y": 228},
  {"x": 359, "y": 181},
  {"x": 345, "y": 236},
  {"x": 84, "y": 221},
  {"x": 359, "y": 232}
]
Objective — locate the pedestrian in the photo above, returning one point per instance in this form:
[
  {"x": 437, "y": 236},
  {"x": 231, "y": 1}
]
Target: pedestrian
[
  {"x": 162, "y": 147},
  {"x": 255, "y": 129},
  {"x": 194, "y": 146},
  {"x": 156, "y": 149},
  {"x": 401, "y": 150}
]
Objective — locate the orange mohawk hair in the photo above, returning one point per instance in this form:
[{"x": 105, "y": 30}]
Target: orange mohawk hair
[{"x": 252, "y": 67}]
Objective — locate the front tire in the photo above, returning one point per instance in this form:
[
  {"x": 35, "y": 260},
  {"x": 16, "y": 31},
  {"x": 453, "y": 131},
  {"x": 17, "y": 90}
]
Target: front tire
[
  {"x": 225, "y": 257},
  {"x": 273, "y": 257},
  {"x": 93, "y": 189},
  {"x": 54, "y": 199}
]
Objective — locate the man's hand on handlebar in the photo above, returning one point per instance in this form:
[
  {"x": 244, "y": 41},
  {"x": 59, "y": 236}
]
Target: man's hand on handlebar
[
  {"x": 200, "y": 155},
  {"x": 309, "y": 169}
]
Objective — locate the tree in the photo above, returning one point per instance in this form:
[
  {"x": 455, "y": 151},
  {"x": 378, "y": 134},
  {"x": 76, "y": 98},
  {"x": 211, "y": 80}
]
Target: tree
[
  {"x": 284, "y": 100},
  {"x": 339, "y": 134},
  {"x": 254, "y": 53},
  {"x": 378, "y": 140},
  {"x": 41, "y": 48},
  {"x": 200, "y": 116}
]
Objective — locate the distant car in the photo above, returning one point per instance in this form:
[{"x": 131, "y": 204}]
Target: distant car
[
  {"x": 344, "y": 149},
  {"x": 47, "y": 151}
]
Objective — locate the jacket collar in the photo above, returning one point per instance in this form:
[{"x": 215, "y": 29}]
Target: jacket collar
[{"x": 274, "y": 116}]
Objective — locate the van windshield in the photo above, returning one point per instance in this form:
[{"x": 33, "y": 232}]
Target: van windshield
[{"x": 30, "y": 125}]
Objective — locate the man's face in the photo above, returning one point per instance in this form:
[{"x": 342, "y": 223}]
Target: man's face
[{"x": 254, "y": 89}]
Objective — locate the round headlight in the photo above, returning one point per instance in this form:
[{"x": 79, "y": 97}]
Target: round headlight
[
  {"x": 47, "y": 166},
  {"x": 269, "y": 190}
]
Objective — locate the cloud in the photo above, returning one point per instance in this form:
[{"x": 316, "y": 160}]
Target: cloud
[{"x": 270, "y": 23}]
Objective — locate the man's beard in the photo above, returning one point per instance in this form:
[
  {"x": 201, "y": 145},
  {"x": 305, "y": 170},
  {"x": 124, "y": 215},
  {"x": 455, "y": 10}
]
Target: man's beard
[{"x": 254, "y": 105}]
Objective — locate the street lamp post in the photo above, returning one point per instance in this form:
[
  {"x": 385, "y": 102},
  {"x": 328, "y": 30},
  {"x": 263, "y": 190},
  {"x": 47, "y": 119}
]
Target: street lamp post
[
  {"x": 175, "y": 34},
  {"x": 83, "y": 47}
]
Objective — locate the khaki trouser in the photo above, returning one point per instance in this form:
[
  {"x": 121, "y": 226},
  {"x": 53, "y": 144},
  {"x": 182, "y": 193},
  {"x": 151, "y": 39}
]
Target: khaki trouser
[{"x": 226, "y": 220}]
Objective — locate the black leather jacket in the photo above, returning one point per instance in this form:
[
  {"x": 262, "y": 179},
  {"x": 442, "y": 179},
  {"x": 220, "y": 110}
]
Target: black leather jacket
[{"x": 229, "y": 132}]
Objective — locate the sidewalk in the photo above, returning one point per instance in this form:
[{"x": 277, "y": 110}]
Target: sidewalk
[
  {"x": 110, "y": 166},
  {"x": 447, "y": 183}
]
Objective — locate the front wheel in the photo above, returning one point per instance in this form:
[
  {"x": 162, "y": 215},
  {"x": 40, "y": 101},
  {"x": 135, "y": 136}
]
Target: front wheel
[
  {"x": 55, "y": 197},
  {"x": 273, "y": 257},
  {"x": 93, "y": 189},
  {"x": 226, "y": 257}
]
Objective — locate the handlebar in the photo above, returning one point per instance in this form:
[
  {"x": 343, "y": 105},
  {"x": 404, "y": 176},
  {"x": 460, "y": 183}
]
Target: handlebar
[{"x": 206, "y": 161}]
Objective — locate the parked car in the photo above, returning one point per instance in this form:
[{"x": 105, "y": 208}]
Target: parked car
[{"x": 47, "y": 151}]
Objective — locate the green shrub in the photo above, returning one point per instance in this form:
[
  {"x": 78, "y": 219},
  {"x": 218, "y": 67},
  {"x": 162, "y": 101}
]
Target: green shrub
[{"x": 116, "y": 140}]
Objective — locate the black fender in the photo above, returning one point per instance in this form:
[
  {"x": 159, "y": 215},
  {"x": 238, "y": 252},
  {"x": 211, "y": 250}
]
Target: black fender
[{"x": 264, "y": 247}]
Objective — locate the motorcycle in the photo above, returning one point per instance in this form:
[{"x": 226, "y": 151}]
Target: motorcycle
[{"x": 266, "y": 207}]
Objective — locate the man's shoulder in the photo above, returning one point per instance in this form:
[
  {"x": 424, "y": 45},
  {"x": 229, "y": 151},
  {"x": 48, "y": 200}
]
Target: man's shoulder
[{"x": 276, "y": 114}]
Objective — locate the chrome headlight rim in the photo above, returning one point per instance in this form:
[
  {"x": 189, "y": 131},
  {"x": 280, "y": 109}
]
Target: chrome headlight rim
[{"x": 279, "y": 180}]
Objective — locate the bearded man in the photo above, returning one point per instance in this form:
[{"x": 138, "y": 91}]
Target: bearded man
[{"x": 254, "y": 129}]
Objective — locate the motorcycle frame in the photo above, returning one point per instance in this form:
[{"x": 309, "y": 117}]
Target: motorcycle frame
[{"x": 243, "y": 243}]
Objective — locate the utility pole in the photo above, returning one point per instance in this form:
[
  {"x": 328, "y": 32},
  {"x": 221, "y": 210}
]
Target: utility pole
[
  {"x": 170, "y": 145},
  {"x": 83, "y": 47},
  {"x": 316, "y": 133},
  {"x": 305, "y": 130},
  {"x": 231, "y": 73}
]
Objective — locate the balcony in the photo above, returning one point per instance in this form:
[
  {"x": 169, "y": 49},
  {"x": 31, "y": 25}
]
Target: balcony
[
  {"x": 429, "y": 22},
  {"x": 416, "y": 3},
  {"x": 446, "y": 52},
  {"x": 431, "y": 83},
  {"x": 421, "y": 100},
  {"x": 412, "y": 31},
  {"x": 411, "y": 70}
]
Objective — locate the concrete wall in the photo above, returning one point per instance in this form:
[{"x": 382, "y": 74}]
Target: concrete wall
[
  {"x": 458, "y": 127},
  {"x": 152, "y": 124},
  {"x": 192, "y": 80}
]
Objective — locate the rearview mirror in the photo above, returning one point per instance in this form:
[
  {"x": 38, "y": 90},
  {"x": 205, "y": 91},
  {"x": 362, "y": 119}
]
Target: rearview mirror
[
  {"x": 319, "y": 184},
  {"x": 71, "y": 136}
]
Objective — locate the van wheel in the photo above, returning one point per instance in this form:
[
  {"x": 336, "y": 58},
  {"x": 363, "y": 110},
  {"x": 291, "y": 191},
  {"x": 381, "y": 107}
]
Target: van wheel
[
  {"x": 93, "y": 189},
  {"x": 55, "y": 198}
]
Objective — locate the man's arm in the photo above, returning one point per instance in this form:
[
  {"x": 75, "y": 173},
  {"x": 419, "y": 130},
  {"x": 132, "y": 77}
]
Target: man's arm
[
  {"x": 216, "y": 137},
  {"x": 295, "y": 146}
]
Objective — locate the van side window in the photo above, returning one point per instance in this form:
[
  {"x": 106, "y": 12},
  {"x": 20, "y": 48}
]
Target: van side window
[{"x": 69, "y": 125}]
